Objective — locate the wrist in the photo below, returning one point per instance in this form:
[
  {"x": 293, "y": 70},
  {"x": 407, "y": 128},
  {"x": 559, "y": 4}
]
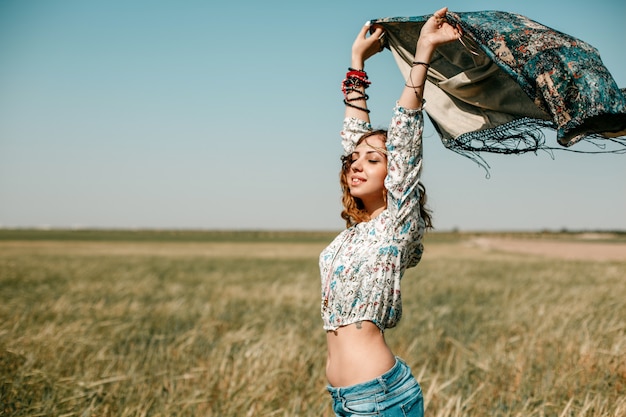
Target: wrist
[
  {"x": 357, "y": 63},
  {"x": 424, "y": 50}
]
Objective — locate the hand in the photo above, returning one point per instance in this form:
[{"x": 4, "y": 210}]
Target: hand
[
  {"x": 437, "y": 31},
  {"x": 364, "y": 47}
]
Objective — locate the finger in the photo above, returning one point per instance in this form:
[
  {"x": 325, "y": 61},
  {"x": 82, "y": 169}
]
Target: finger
[
  {"x": 377, "y": 31},
  {"x": 364, "y": 30},
  {"x": 441, "y": 12},
  {"x": 439, "y": 16},
  {"x": 381, "y": 41}
]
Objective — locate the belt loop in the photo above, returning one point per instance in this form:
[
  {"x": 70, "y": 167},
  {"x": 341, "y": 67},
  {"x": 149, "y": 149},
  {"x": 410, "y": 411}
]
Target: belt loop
[
  {"x": 335, "y": 392},
  {"x": 383, "y": 384}
]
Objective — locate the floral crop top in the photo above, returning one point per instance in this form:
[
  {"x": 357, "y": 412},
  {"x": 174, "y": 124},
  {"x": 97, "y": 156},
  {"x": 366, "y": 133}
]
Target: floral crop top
[{"x": 362, "y": 267}]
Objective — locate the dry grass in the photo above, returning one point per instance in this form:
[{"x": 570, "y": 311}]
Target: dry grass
[{"x": 153, "y": 328}]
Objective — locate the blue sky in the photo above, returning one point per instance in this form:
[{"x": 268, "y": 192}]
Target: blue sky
[{"x": 225, "y": 115}]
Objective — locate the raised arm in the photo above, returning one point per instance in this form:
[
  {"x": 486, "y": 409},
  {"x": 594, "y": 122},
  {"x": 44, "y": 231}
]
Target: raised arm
[
  {"x": 436, "y": 31},
  {"x": 405, "y": 195},
  {"x": 356, "y": 81}
]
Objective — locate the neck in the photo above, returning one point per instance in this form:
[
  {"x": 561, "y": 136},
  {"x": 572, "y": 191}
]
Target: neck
[{"x": 374, "y": 208}]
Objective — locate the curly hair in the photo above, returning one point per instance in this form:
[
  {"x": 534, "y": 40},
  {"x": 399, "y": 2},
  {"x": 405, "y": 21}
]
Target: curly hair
[{"x": 353, "y": 208}]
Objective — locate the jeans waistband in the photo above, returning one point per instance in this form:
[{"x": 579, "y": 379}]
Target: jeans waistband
[{"x": 382, "y": 383}]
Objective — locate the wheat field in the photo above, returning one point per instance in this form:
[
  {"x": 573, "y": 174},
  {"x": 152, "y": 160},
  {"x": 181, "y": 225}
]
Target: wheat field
[{"x": 122, "y": 323}]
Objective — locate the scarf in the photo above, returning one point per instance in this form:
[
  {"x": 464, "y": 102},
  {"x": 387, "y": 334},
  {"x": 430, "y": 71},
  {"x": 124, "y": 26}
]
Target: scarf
[{"x": 507, "y": 79}]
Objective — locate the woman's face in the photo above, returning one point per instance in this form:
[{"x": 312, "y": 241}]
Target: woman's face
[{"x": 367, "y": 172}]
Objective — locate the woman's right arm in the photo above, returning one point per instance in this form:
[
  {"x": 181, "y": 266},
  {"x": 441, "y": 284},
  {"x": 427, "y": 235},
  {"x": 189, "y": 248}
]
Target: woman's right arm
[
  {"x": 363, "y": 48},
  {"x": 357, "y": 120}
]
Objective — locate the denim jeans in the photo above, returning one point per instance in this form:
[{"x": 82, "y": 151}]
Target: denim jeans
[{"x": 396, "y": 393}]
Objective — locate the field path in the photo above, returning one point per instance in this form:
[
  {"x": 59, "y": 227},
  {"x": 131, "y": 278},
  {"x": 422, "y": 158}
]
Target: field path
[
  {"x": 581, "y": 247},
  {"x": 577, "y": 250}
]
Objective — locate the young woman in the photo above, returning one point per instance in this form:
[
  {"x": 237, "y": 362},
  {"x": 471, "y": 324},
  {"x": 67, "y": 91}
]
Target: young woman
[{"x": 383, "y": 208}]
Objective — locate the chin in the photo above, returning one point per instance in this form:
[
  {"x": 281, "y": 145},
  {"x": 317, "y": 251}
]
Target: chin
[
  {"x": 358, "y": 195},
  {"x": 355, "y": 194}
]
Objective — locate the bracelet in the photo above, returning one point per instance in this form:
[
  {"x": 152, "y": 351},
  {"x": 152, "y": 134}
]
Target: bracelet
[
  {"x": 353, "y": 88},
  {"x": 347, "y": 103},
  {"x": 420, "y": 98},
  {"x": 361, "y": 76},
  {"x": 356, "y": 82},
  {"x": 357, "y": 98},
  {"x": 414, "y": 87},
  {"x": 356, "y": 73}
]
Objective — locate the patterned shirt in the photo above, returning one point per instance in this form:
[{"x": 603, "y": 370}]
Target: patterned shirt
[{"x": 362, "y": 267}]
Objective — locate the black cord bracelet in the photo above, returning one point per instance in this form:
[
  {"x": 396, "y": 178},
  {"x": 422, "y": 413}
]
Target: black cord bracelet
[{"x": 347, "y": 103}]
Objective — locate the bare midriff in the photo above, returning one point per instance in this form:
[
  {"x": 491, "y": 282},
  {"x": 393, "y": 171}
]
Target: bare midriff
[{"x": 357, "y": 353}]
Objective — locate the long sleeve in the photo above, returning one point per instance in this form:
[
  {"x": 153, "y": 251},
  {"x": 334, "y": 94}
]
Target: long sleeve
[
  {"x": 404, "y": 164},
  {"x": 353, "y": 129}
]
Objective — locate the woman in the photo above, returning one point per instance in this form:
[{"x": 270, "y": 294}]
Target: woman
[{"x": 383, "y": 208}]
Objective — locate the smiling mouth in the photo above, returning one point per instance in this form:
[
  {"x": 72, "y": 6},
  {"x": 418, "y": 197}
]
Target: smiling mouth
[{"x": 357, "y": 181}]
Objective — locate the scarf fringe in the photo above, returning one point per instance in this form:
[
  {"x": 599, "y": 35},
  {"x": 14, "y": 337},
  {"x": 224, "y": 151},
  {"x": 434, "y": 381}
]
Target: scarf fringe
[{"x": 522, "y": 136}]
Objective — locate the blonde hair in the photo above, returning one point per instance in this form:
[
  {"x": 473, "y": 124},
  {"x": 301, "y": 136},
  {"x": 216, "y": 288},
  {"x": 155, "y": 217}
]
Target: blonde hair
[{"x": 353, "y": 208}]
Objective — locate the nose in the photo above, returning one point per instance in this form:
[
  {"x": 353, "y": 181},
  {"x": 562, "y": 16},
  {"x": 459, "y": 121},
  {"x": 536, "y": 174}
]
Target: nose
[{"x": 356, "y": 165}]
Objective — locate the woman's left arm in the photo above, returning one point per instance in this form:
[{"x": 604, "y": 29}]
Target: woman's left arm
[
  {"x": 435, "y": 32},
  {"x": 405, "y": 132}
]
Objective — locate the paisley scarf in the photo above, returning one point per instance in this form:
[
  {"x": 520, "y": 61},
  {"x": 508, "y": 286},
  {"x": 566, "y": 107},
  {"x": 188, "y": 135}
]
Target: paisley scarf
[{"x": 507, "y": 79}]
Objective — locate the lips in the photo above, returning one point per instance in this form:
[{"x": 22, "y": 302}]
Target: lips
[{"x": 357, "y": 180}]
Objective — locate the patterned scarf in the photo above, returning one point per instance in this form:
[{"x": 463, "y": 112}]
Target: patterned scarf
[{"x": 508, "y": 78}]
